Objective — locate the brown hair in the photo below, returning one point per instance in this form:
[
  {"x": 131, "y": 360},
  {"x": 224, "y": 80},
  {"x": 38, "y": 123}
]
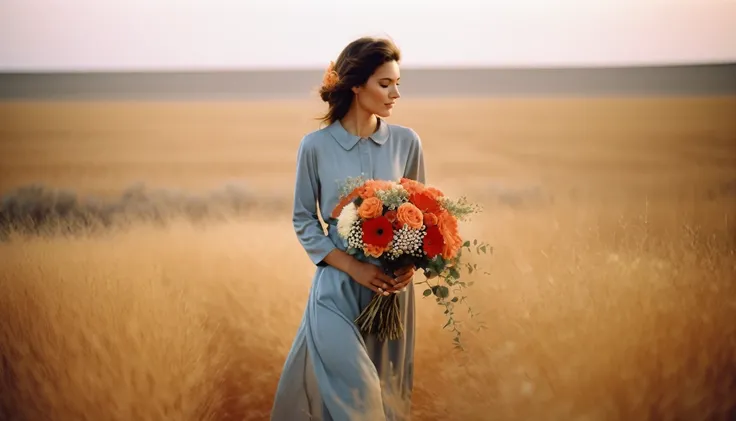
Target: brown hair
[{"x": 355, "y": 64}]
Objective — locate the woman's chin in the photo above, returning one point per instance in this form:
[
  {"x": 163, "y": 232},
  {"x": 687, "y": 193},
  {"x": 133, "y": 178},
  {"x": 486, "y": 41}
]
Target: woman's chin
[{"x": 385, "y": 113}]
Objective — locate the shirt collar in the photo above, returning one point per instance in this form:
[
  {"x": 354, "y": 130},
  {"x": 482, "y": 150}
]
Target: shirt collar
[{"x": 348, "y": 141}]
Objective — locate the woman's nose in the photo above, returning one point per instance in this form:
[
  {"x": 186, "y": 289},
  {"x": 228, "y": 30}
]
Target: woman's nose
[{"x": 395, "y": 93}]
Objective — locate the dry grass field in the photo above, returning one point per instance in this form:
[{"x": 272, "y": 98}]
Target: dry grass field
[{"x": 152, "y": 272}]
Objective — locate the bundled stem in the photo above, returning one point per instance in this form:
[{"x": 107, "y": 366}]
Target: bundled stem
[{"x": 382, "y": 317}]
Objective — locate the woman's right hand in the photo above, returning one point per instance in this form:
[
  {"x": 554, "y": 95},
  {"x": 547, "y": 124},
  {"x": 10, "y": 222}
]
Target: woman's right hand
[{"x": 372, "y": 277}]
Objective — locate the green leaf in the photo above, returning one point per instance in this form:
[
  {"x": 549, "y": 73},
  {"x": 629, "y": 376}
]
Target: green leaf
[
  {"x": 466, "y": 244},
  {"x": 454, "y": 272},
  {"x": 454, "y": 299},
  {"x": 442, "y": 291},
  {"x": 427, "y": 292},
  {"x": 475, "y": 242}
]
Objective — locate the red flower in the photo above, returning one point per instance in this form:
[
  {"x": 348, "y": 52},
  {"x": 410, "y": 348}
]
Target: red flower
[
  {"x": 378, "y": 231},
  {"x": 425, "y": 202},
  {"x": 392, "y": 217},
  {"x": 433, "y": 242},
  {"x": 430, "y": 219}
]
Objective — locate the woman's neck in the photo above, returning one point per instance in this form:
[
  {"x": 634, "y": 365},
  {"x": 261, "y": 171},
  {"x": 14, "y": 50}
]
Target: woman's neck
[{"x": 358, "y": 122}]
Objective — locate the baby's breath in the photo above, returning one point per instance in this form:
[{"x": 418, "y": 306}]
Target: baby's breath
[
  {"x": 393, "y": 197},
  {"x": 461, "y": 208},
  {"x": 407, "y": 241},
  {"x": 355, "y": 238},
  {"x": 350, "y": 184}
]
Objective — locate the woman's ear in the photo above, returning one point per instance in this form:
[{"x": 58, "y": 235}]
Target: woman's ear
[{"x": 356, "y": 89}]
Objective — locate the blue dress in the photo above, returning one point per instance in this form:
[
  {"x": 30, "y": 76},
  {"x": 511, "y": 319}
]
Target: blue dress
[{"x": 333, "y": 372}]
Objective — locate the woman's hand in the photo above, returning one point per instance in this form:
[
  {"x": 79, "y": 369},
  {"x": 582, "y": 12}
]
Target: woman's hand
[
  {"x": 403, "y": 277},
  {"x": 372, "y": 277}
]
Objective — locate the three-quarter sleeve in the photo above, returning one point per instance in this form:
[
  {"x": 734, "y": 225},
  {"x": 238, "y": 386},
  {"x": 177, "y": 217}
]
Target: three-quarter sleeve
[
  {"x": 304, "y": 217},
  {"x": 415, "y": 160}
]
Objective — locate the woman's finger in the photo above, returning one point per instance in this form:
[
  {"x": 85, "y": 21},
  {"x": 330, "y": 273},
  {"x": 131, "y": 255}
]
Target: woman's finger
[
  {"x": 382, "y": 287},
  {"x": 404, "y": 270},
  {"x": 400, "y": 271},
  {"x": 405, "y": 277},
  {"x": 385, "y": 278},
  {"x": 401, "y": 286},
  {"x": 372, "y": 287}
]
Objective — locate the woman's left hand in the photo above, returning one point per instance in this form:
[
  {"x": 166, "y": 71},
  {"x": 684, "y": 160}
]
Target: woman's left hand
[{"x": 403, "y": 277}]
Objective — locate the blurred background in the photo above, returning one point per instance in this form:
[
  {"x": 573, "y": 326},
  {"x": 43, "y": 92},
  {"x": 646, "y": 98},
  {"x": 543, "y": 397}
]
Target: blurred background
[{"x": 147, "y": 154}]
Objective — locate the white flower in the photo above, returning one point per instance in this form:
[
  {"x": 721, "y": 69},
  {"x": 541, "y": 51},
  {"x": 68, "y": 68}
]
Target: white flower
[{"x": 346, "y": 220}]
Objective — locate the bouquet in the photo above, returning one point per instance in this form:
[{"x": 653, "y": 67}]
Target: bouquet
[{"x": 402, "y": 223}]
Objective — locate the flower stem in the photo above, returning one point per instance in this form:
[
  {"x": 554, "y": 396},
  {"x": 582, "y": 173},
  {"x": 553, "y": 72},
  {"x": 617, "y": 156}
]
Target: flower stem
[{"x": 382, "y": 317}]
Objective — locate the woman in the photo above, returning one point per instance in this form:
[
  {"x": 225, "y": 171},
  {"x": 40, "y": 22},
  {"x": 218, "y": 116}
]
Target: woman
[{"x": 333, "y": 372}]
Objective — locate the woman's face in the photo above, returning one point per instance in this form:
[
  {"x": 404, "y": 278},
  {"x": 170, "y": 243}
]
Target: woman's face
[{"x": 380, "y": 92}]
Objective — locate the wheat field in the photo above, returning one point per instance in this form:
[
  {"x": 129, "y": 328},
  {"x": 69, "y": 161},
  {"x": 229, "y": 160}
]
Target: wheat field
[{"x": 149, "y": 271}]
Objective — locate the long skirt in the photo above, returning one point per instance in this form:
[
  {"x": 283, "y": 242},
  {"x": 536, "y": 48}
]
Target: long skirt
[{"x": 333, "y": 372}]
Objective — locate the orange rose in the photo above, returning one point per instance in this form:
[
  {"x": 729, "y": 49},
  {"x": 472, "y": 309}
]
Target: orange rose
[
  {"x": 434, "y": 193},
  {"x": 370, "y": 188},
  {"x": 378, "y": 184},
  {"x": 367, "y": 191},
  {"x": 410, "y": 215},
  {"x": 448, "y": 227},
  {"x": 371, "y": 207},
  {"x": 330, "y": 77},
  {"x": 430, "y": 219},
  {"x": 373, "y": 251},
  {"x": 412, "y": 186}
]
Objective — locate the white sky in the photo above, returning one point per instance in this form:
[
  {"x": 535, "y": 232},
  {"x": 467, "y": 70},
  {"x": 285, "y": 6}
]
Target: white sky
[{"x": 170, "y": 34}]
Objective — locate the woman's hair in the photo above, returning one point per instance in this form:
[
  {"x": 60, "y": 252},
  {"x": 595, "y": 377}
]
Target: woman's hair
[{"x": 355, "y": 64}]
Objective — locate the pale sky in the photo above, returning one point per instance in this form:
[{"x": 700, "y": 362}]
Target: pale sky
[{"x": 44, "y": 35}]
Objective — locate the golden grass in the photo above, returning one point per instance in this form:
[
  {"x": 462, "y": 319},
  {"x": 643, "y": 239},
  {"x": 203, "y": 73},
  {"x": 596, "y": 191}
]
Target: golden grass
[{"x": 611, "y": 293}]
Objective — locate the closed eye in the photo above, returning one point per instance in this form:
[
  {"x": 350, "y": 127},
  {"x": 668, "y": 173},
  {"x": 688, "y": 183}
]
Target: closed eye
[{"x": 386, "y": 82}]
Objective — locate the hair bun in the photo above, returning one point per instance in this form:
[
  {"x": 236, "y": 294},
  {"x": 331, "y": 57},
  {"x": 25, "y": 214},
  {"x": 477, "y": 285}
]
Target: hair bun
[{"x": 325, "y": 94}]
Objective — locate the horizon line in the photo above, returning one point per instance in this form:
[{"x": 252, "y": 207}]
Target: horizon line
[
  {"x": 701, "y": 79},
  {"x": 421, "y": 67}
]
